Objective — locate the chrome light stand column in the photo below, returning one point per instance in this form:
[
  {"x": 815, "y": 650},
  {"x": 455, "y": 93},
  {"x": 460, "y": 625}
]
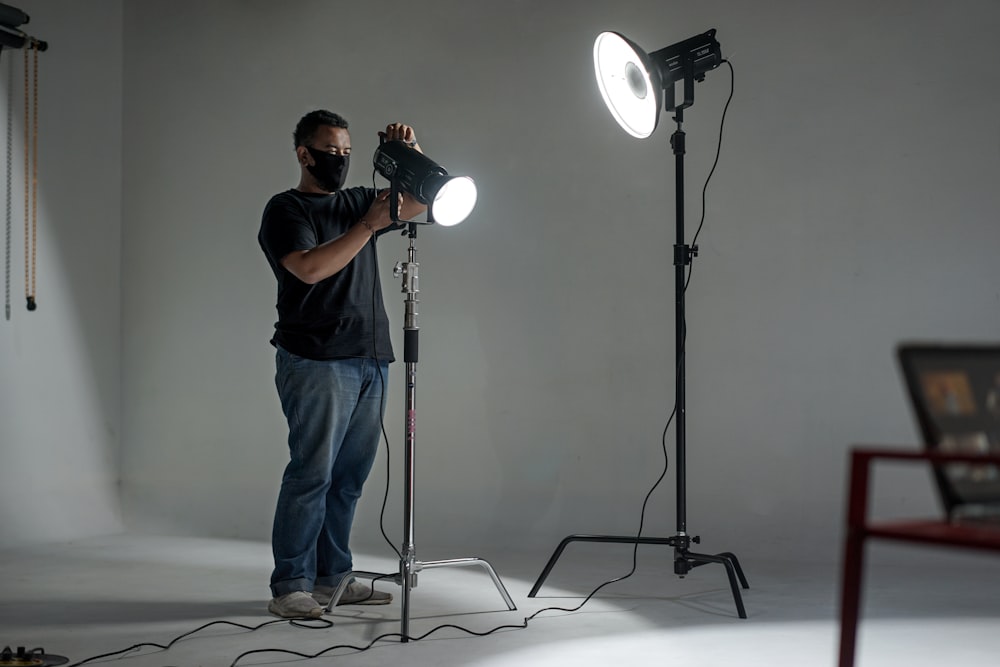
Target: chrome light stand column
[{"x": 409, "y": 566}]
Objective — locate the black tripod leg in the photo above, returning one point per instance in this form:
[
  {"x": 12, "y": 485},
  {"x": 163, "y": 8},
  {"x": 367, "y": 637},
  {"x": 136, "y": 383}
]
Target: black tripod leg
[
  {"x": 605, "y": 539},
  {"x": 726, "y": 559},
  {"x": 704, "y": 559},
  {"x": 548, "y": 566},
  {"x": 736, "y": 564}
]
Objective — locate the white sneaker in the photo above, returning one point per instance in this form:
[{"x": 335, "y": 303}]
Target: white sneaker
[
  {"x": 297, "y": 604},
  {"x": 355, "y": 593}
]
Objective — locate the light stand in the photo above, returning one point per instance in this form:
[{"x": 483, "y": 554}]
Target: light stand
[
  {"x": 684, "y": 559},
  {"x": 409, "y": 566}
]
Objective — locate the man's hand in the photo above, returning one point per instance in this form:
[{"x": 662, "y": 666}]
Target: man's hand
[
  {"x": 378, "y": 215},
  {"x": 399, "y": 132},
  {"x": 409, "y": 207}
]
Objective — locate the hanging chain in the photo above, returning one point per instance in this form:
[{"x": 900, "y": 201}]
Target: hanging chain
[
  {"x": 10, "y": 192},
  {"x": 30, "y": 185},
  {"x": 34, "y": 178},
  {"x": 27, "y": 166}
]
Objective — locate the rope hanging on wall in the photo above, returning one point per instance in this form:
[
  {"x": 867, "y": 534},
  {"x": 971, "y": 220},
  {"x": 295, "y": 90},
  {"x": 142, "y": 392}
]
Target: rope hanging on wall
[
  {"x": 12, "y": 37},
  {"x": 30, "y": 185},
  {"x": 10, "y": 191}
]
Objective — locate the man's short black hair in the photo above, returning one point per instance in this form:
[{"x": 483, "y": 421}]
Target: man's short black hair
[{"x": 305, "y": 131}]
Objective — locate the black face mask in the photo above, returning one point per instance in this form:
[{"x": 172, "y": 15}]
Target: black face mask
[{"x": 330, "y": 171}]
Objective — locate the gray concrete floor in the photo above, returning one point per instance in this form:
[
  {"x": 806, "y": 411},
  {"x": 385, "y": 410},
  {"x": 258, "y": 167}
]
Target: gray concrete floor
[{"x": 922, "y": 607}]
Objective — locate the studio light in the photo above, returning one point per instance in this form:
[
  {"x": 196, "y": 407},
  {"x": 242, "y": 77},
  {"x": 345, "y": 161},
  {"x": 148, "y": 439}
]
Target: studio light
[
  {"x": 450, "y": 198},
  {"x": 633, "y": 82}
]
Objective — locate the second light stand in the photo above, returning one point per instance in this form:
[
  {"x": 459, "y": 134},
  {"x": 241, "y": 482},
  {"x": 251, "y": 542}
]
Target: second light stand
[
  {"x": 684, "y": 559},
  {"x": 409, "y": 566}
]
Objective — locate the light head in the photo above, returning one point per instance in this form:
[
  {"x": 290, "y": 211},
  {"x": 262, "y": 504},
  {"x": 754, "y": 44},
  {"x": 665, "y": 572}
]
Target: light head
[
  {"x": 632, "y": 82},
  {"x": 449, "y": 198}
]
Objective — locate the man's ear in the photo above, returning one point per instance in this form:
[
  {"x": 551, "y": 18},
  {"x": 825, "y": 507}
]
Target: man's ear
[{"x": 303, "y": 155}]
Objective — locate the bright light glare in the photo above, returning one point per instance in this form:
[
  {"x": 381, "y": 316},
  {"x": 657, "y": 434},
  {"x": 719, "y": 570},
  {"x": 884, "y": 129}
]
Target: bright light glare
[
  {"x": 454, "y": 201},
  {"x": 625, "y": 84}
]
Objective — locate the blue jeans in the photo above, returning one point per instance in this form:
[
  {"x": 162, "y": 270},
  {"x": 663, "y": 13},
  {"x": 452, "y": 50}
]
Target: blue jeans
[{"x": 334, "y": 411}]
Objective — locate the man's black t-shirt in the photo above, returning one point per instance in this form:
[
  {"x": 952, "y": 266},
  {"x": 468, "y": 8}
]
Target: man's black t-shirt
[{"x": 342, "y": 316}]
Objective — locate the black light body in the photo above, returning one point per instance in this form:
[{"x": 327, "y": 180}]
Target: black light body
[{"x": 450, "y": 198}]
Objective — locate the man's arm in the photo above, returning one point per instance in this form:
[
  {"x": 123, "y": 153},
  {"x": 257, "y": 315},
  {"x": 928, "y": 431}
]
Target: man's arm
[{"x": 316, "y": 264}]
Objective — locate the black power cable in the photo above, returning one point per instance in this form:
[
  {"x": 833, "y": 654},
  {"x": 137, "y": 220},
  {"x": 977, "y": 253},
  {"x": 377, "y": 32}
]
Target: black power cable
[
  {"x": 321, "y": 624},
  {"x": 376, "y": 283}
]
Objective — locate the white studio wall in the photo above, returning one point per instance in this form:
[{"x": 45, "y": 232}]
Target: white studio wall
[
  {"x": 60, "y": 365},
  {"x": 852, "y": 208}
]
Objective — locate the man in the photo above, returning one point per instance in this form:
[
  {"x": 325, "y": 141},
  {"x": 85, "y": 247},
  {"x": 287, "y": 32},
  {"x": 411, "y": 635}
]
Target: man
[{"x": 332, "y": 357}]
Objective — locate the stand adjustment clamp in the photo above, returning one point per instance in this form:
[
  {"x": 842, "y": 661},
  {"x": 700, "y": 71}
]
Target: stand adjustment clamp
[
  {"x": 683, "y": 254},
  {"x": 408, "y": 272},
  {"x": 683, "y": 542}
]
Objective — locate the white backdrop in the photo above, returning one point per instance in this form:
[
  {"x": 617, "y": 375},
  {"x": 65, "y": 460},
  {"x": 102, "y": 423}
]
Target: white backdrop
[{"x": 853, "y": 207}]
